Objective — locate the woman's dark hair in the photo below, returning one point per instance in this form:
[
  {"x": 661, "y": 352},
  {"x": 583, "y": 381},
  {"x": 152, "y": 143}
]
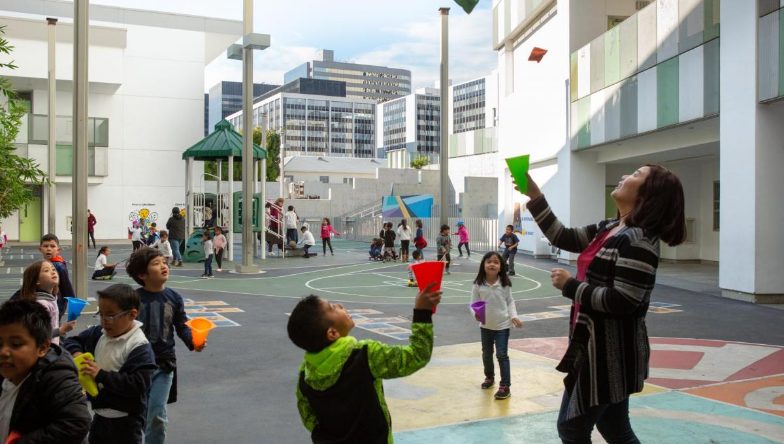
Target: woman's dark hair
[
  {"x": 30, "y": 281},
  {"x": 660, "y": 206},
  {"x": 481, "y": 278},
  {"x": 102, "y": 251},
  {"x": 175, "y": 210},
  {"x": 404, "y": 224},
  {"x": 419, "y": 223}
]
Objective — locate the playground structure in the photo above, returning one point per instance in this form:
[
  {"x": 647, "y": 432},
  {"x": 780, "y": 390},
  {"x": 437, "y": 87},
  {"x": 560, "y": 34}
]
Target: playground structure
[{"x": 221, "y": 209}]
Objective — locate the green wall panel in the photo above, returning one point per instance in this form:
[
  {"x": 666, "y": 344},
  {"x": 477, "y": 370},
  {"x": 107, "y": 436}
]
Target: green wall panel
[
  {"x": 629, "y": 107},
  {"x": 628, "y": 47},
  {"x": 573, "y": 76},
  {"x": 612, "y": 56},
  {"x": 712, "y": 22},
  {"x": 584, "y": 122},
  {"x": 711, "y": 73},
  {"x": 667, "y": 93},
  {"x": 597, "y": 64},
  {"x": 64, "y": 165}
]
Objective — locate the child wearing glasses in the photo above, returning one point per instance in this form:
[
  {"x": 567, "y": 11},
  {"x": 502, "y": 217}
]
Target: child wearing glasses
[{"x": 123, "y": 367}]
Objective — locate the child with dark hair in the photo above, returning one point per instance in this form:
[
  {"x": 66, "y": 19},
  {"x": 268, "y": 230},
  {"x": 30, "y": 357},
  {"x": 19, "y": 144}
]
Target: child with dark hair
[
  {"x": 443, "y": 246},
  {"x": 510, "y": 241},
  {"x": 104, "y": 270},
  {"x": 41, "y": 400},
  {"x": 50, "y": 249},
  {"x": 209, "y": 253},
  {"x": 417, "y": 255},
  {"x": 389, "y": 242},
  {"x": 493, "y": 286},
  {"x": 164, "y": 246},
  {"x": 162, "y": 313},
  {"x": 375, "y": 249},
  {"x": 307, "y": 241},
  {"x": 340, "y": 395},
  {"x": 39, "y": 283},
  {"x": 123, "y": 367}
]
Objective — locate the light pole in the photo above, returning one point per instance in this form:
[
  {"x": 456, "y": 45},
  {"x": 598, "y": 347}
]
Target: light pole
[
  {"x": 52, "y": 139},
  {"x": 444, "y": 126},
  {"x": 79, "y": 239}
]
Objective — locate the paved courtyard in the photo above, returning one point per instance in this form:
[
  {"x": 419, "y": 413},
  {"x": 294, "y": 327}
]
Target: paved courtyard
[{"x": 717, "y": 366}]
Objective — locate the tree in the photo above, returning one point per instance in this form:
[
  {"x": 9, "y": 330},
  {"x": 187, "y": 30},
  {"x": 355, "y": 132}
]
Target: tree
[
  {"x": 273, "y": 155},
  {"x": 273, "y": 159},
  {"x": 16, "y": 173},
  {"x": 420, "y": 162}
]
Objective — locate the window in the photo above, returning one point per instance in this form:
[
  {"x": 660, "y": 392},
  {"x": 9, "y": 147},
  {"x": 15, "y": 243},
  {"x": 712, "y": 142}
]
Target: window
[
  {"x": 348, "y": 180},
  {"x": 716, "y": 206},
  {"x": 324, "y": 179}
]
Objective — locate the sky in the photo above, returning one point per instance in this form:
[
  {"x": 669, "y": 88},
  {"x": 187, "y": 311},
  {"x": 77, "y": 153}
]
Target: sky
[{"x": 402, "y": 34}]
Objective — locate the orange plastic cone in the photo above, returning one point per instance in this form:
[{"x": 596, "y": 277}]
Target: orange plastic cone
[{"x": 200, "y": 328}]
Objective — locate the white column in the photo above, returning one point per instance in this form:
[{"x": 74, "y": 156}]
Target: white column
[
  {"x": 52, "y": 139},
  {"x": 230, "y": 247},
  {"x": 751, "y": 156},
  {"x": 80, "y": 94},
  {"x": 190, "y": 221},
  {"x": 218, "y": 217},
  {"x": 444, "y": 200}
]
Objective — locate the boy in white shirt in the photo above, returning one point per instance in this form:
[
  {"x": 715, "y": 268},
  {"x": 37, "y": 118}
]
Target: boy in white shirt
[
  {"x": 307, "y": 240},
  {"x": 164, "y": 246},
  {"x": 292, "y": 220},
  {"x": 417, "y": 260}
]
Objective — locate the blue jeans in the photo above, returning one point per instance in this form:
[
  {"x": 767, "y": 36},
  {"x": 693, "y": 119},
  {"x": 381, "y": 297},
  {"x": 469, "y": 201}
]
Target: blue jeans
[
  {"x": 155, "y": 432},
  {"x": 501, "y": 340},
  {"x": 208, "y": 265},
  {"x": 612, "y": 420},
  {"x": 175, "y": 244}
]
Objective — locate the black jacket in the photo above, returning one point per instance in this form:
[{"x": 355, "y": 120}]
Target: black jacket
[
  {"x": 50, "y": 406},
  {"x": 176, "y": 227}
]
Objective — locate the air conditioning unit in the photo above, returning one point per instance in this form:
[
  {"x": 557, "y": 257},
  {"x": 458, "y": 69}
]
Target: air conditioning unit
[{"x": 641, "y": 5}]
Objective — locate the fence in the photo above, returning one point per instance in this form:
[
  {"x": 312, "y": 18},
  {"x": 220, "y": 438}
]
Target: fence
[{"x": 482, "y": 231}]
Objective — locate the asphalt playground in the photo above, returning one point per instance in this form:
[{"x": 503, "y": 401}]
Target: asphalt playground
[{"x": 717, "y": 366}]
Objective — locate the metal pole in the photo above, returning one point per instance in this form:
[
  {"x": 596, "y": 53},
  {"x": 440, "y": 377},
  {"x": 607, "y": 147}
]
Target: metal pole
[
  {"x": 444, "y": 126},
  {"x": 282, "y": 155},
  {"x": 230, "y": 246},
  {"x": 263, "y": 185},
  {"x": 247, "y": 145},
  {"x": 80, "y": 91},
  {"x": 52, "y": 139},
  {"x": 219, "y": 214},
  {"x": 190, "y": 213}
]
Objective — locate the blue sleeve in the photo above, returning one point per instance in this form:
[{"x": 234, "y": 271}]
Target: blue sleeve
[
  {"x": 66, "y": 289},
  {"x": 85, "y": 341},
  {"x": 183, "y": 331},
  {"x": 135, "y": 375},
  {"x": 516, "y": 239}
]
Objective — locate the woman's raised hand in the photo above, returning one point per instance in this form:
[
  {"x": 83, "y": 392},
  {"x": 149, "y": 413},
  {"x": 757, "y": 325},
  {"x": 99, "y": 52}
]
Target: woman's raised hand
[{"x": 533, "y": 189}]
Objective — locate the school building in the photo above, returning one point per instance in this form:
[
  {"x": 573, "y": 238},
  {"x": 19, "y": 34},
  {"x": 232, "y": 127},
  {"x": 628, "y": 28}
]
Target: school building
[
  {"x": 145, "y": 107},
  {"x": 695, "y": 85}
]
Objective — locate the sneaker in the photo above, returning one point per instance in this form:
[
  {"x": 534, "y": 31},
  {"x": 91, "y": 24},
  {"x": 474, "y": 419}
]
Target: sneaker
[
  {"x": 211, "y": 276},
  {"x": 271, "y": 253},
  {"x": 179, "y": 264},
  {"x": 488, "y": 383},
  {"x": 204, "y": 276},
  {"x": 447, "y": 272},
  {"x": 412, "y": 284},
  {"x": 219, "y": 270},
  {"x": 325, "y": 254},
  {"x": 333, "y": 254},
  {"x": 512, "y": 273},
  {"x": 460, "y": 255},
  {"x": 503, "y": 392}
]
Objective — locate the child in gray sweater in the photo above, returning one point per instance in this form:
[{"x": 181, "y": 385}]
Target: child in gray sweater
[{"x": 443, "y": 245}]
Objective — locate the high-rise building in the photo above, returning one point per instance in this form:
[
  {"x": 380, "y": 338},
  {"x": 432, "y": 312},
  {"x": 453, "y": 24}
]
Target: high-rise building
[
  {"x": 316, "y": 118},
  {"x": 411, "y": 122},
  {"x": 372, "y": 82},
  {"x": 226, "y": 99}
]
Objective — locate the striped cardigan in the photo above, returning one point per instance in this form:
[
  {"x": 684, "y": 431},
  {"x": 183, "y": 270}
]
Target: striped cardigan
[{"x": 608, "y": 354}]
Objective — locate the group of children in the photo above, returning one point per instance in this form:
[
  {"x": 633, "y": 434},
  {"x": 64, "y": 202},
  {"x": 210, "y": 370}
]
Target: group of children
[
  {"x": 132, "y": 358},
  {"x": 339, "y": 389}
]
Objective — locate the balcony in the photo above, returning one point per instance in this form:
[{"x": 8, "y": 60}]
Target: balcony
[
  {"x": 34, "y": 136},
  {"x": 657, "y": 69},
  {"x": 770, "y": 81},
  {"x": 478, "y": 141}
]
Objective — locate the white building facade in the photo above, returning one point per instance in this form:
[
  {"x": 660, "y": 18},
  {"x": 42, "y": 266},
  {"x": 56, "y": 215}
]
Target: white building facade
[
  {"x": 144, "y": 68},
  {"x": 694, "y": 85}
]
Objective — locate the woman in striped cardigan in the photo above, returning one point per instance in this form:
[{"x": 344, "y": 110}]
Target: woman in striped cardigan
[{"x": 608, "y": 353}]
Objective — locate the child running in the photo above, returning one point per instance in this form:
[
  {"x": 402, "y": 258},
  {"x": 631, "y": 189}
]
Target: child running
[
  {"x": 123, "y": 366},
  {"x": 162, "y": 313},
  {"x": 209, "y": 253},
  {"x": 340, "y": 394},
  {"x": 462, "y": 232},
  {"x": 219, "y": 244},
  {"x": 326, "y": 232},
  {"x": 444, "y": 245},
  {"x": 493, "y": 286},
  {"x": 104, "y": 270},
  {"x": 510, "y": 241},
  {"x": 39, "y": 283},
  {"x": 417, "y": 260},
  {"x": 42, "y": 401}
]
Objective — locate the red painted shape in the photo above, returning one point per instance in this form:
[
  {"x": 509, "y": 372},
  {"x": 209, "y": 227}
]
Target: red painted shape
[
  {"x": 675, "y": 359},
  {"x": 537, "y": 54},
  {"x": 553, "y": 348},
  {"x": 698, "y": 342},
  {"x": 677, "y": 384},
  {"x": 779, "y": 400},
  {"x": 770, "y": 365}
]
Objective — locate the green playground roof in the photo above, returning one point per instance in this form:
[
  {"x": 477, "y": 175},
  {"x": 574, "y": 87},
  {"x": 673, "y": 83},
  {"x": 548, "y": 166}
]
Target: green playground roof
[{"x": 220, "y": 144}]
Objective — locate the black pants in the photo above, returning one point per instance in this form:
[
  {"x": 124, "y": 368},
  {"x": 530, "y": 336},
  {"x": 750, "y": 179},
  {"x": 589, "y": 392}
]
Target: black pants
[
  {"x": 324, "y": 242},
  {"x": 612, "y": 420},
  {"x": 136, "y": 245},
  {"x": 307, "y": 252},
  {"x": 448, "y": 259},
  {"x": 291, "y": 235},
  {"x": 460, "y": 249},
  {"x": 219, "y": 257},
  {"x": 91, "y": 236},
  {"x": 127, "y": 430},
  {"x": 107, "y": 271},
  {"x": 404, "y": 246}
]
